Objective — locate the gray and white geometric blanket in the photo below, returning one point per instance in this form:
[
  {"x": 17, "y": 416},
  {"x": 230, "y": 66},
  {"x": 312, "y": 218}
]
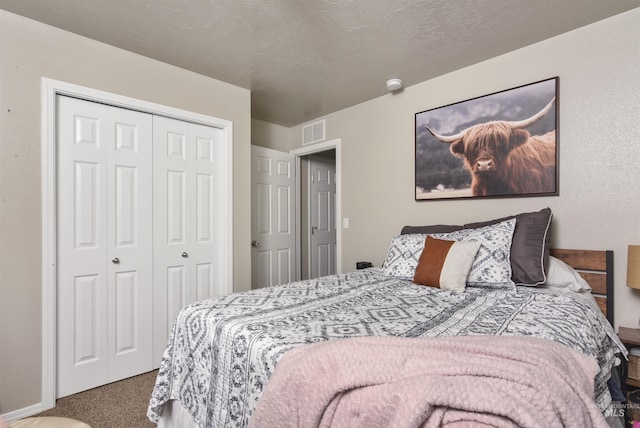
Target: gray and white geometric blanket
[{"x": 222, "y": 351}]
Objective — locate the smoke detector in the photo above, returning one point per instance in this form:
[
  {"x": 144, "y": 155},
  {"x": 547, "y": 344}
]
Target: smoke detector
[{"x": 394, "y": 84}]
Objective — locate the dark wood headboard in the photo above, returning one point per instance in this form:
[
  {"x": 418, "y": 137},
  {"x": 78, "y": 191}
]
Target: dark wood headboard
[{"x": 596, "y": 267}]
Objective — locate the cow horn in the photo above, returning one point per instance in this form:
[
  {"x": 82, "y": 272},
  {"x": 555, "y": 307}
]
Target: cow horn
[
  {"x": 446, "y": 139},
  {"x": 533, "y": 119}
]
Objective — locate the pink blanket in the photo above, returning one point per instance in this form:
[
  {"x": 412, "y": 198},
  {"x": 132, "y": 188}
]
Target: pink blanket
[{"x": 431, "y": 382}]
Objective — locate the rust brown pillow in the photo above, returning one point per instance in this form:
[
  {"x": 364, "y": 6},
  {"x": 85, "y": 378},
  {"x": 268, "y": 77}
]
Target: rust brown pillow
[{"x": 445, "y": 264}]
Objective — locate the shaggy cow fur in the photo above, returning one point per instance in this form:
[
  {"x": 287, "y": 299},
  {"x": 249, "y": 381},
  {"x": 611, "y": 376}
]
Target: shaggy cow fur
[{"x": 503, "y": 160}]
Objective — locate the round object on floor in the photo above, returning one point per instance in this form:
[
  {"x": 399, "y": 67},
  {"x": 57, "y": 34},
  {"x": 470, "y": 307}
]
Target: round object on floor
[{"x": 48, "y": 422}]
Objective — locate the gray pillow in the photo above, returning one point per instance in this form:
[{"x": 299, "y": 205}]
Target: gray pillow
[{"x": 436, "y": 228}]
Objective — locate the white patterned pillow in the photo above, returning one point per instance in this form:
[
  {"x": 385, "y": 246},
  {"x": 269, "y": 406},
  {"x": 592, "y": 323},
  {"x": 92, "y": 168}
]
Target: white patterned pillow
[
  {"x": 492, "y": 265},
  {"x": 403, "y": 255}
]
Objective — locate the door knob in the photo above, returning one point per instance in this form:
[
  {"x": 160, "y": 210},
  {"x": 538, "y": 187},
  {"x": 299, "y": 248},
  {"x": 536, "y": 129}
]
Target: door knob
[
  {"x": 116, "y": 260},
  {"x": 185, "y": 254},
  {"x": 255, "y": 243}
]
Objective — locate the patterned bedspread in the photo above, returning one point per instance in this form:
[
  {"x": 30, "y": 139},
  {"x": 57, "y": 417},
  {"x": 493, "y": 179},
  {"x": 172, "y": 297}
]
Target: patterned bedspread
[{"x": 222, "y": 351}]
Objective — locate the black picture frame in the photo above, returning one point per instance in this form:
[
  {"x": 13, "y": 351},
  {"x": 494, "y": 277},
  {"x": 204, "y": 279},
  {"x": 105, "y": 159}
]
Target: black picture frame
[{"x": 503, "y": 144}]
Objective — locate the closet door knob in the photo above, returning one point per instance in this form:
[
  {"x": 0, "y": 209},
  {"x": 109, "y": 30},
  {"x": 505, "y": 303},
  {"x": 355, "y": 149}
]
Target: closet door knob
[
  {"x": 185, "y": 254},
  {"x": 116, "y": 261}
]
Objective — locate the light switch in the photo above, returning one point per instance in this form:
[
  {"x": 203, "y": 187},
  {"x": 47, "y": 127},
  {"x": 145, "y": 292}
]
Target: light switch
[{"x": 345, "y": 223}]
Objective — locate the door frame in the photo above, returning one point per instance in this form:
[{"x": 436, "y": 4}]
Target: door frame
[
  {"x": 50, "y": 89},
  {"x": 309, "y": 150}
]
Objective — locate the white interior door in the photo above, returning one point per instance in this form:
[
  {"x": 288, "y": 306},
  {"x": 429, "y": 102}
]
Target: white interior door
[
  {"x": 273, "y": 181},
  {"x": 186, "y": 254},
  {"x": 104, "y": 244},
  {"x": 322, "y": 195}
]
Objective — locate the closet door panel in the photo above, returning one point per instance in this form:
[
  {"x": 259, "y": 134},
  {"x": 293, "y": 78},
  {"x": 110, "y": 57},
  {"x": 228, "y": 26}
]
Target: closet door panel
[
  {"x": 176, "y": 291},
  {"x": 126, "y": 291},
  {"x": 130, "y": 259},
  {"x": 204, "y": 254},
  {"x": 85, "y": 204},
  {"x": 204, "y": 249},
  {"x": 175, "y": 207},
  {"x": 204, "y": 281},
  {"x": 86, "y": 319},
  {"x": 204, "y": 208},
  {"x": 82, "y": 246},
  {"x": 172, "y": 188}
]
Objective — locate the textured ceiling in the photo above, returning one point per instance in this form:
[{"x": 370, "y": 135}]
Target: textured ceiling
[{"x": 302, "y": 59}]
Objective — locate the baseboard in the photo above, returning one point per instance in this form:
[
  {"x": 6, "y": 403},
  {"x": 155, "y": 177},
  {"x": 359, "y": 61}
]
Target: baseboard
[{"x": 23, "y": 413}]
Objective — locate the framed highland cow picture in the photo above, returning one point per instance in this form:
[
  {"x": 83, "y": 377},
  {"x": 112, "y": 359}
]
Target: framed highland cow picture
[{"x": 503, "y": 144}]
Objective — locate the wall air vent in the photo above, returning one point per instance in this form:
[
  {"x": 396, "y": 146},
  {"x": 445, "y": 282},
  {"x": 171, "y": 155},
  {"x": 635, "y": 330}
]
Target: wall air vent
[{"x": 313, "y": 132}]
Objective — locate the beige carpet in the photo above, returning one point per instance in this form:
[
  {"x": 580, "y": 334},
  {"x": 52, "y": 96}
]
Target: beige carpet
[{"x": 116, "y": 405}]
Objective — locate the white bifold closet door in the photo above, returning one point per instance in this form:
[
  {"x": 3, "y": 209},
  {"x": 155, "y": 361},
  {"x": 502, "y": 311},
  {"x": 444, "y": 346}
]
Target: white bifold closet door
[
  {"x": 104, "y": 244},
  {"x": 139, "y": 226},
  {"x": 186, "y": 255}
]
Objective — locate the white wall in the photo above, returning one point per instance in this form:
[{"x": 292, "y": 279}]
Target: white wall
[
  {"x": 267, "y": 134},
  {"x": 29, "y": 51},
  {"x": 599, "y": 141}
]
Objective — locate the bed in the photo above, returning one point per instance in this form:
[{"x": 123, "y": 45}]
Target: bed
[{"x": 496, "y": 280}]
